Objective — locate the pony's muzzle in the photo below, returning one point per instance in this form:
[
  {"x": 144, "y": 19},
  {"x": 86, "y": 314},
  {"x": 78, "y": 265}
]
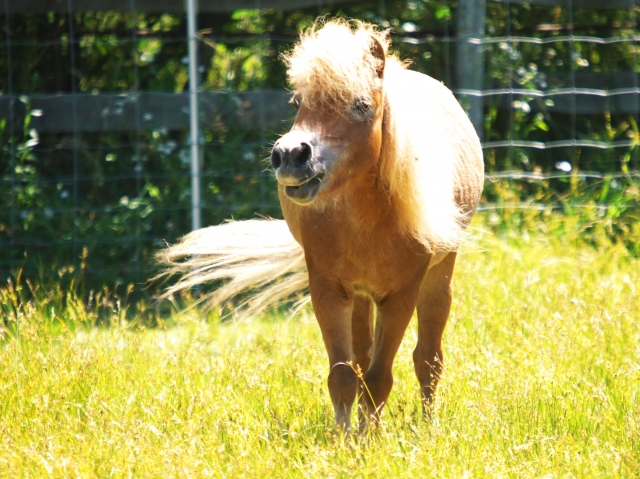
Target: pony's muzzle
[
  {"x": 292, "y": 163},
  {"x": 297, "y": 156},
  {"x": 295, "y": 171}
]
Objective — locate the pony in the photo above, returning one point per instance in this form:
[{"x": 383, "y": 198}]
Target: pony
[{"x": 378, "y": 179}]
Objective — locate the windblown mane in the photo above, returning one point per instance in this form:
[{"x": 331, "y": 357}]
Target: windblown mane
[
  {"x": 331, "y": 67},
  {"x": 418, "y": 162}
]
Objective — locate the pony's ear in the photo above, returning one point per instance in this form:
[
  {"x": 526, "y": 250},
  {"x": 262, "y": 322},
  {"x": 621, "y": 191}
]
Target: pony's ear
[{"x": 377, "y": 50}]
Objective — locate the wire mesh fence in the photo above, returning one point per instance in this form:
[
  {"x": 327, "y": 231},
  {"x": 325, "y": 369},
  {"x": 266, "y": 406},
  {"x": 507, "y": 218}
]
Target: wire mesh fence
[{"x": 94, "y": 114}]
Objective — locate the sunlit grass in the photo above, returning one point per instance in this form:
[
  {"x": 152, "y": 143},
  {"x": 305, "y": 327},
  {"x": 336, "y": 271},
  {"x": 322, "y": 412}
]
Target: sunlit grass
[{"x": 542, "y": 379}]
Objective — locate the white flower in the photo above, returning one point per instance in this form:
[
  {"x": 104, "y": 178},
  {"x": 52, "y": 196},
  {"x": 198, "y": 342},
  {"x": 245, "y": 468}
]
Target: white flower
[
  {"x": 409, "y": 27},
  {"x": 522, "y": 105}
]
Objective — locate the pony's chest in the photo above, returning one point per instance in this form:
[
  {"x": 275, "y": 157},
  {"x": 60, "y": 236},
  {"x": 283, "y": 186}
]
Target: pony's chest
[{"x": 380, "y": 269}]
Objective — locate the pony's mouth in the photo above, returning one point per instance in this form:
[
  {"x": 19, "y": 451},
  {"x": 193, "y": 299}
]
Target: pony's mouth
[{"x": 306, "y": 192}]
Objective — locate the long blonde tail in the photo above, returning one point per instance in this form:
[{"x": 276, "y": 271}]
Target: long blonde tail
[{"x": 257, "y": 262}]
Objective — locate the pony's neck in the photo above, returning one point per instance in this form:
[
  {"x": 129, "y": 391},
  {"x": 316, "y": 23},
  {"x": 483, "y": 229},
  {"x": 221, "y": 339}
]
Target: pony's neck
[
  {"x": 366, "y": 202},
  {"x": 371, "y": 200}
]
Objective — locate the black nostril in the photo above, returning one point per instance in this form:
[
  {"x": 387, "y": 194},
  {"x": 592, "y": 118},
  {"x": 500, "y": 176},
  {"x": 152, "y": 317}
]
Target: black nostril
[
  {"x": 300, "y": 155},
  {"x": 276, "y": 157}
]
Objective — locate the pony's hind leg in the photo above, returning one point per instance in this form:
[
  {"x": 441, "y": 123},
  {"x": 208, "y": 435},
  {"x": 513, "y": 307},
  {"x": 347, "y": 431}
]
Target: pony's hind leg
[
  {"x": 362, "y": 332},
  {"x": 434, "y": 304},
  {"x": 362, "y": 339},
  {"x": 394, "y": 314}
]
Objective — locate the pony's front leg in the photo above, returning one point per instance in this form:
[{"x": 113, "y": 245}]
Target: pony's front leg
[
  {"x": 333, "y": 309},
  {"x": 394, "y": 314}
]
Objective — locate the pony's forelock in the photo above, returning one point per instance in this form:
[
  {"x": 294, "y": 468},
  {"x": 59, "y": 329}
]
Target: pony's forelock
[{"x": 332, "y": 65}]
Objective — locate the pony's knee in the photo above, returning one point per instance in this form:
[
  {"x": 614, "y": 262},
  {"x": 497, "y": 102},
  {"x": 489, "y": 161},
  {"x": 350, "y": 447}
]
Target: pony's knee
[
  {"x": 428, "y": 364},
  {"x": 377, "y": 386},
  {"x": 343, "y": 387},
  {"x": 342, "y": 384},
  {"x": 361, "y": 364}
]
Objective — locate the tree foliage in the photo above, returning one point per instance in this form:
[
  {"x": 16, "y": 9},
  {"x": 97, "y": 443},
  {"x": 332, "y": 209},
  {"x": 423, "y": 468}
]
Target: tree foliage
[{"x": 97, "y": 204}]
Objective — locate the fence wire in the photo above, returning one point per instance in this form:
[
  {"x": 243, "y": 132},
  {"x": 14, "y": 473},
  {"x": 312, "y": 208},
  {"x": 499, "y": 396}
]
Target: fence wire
[{"x": 94, "y": 115}]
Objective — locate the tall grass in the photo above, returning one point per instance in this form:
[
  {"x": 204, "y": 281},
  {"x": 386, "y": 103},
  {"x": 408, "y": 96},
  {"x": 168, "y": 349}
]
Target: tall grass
[{"x": 542, "y": 379}]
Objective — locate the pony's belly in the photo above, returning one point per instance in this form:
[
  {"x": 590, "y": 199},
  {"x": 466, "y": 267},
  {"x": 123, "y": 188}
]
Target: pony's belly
[{"x": 381, "y": 278}]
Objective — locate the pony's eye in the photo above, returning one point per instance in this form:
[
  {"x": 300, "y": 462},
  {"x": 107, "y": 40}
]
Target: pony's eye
[
  {"x": 296, "y": 102},
  {"x": 361, "y": 107}
]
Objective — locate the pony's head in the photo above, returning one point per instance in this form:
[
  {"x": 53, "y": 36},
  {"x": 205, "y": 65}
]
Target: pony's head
[{"x": 337, "y": 70}]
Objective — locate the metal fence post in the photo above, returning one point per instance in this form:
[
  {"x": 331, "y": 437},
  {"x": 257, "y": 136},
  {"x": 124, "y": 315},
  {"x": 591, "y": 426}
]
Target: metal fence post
[
  {"x": 470, "y": 57},
  {"x": 194, "y": 125}
]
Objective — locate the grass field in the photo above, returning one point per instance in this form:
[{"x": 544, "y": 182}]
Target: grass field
[{"x": 542, "y": 379}]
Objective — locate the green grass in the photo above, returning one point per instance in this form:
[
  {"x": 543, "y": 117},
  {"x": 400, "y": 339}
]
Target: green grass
[{"x": 542, "y": 379}]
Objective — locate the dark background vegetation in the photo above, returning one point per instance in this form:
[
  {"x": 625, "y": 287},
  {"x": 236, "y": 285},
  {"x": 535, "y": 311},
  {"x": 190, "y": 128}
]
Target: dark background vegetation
[{"x": 92, "y": 205}]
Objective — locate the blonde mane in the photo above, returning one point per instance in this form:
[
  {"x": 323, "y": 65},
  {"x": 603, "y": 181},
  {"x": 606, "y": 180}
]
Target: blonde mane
[
  {"x": 331, "y": 67},
  {"x": 417, "y": 165}
]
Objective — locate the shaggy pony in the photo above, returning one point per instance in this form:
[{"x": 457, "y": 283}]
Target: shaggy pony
[{"x": 377, "y": 180}]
